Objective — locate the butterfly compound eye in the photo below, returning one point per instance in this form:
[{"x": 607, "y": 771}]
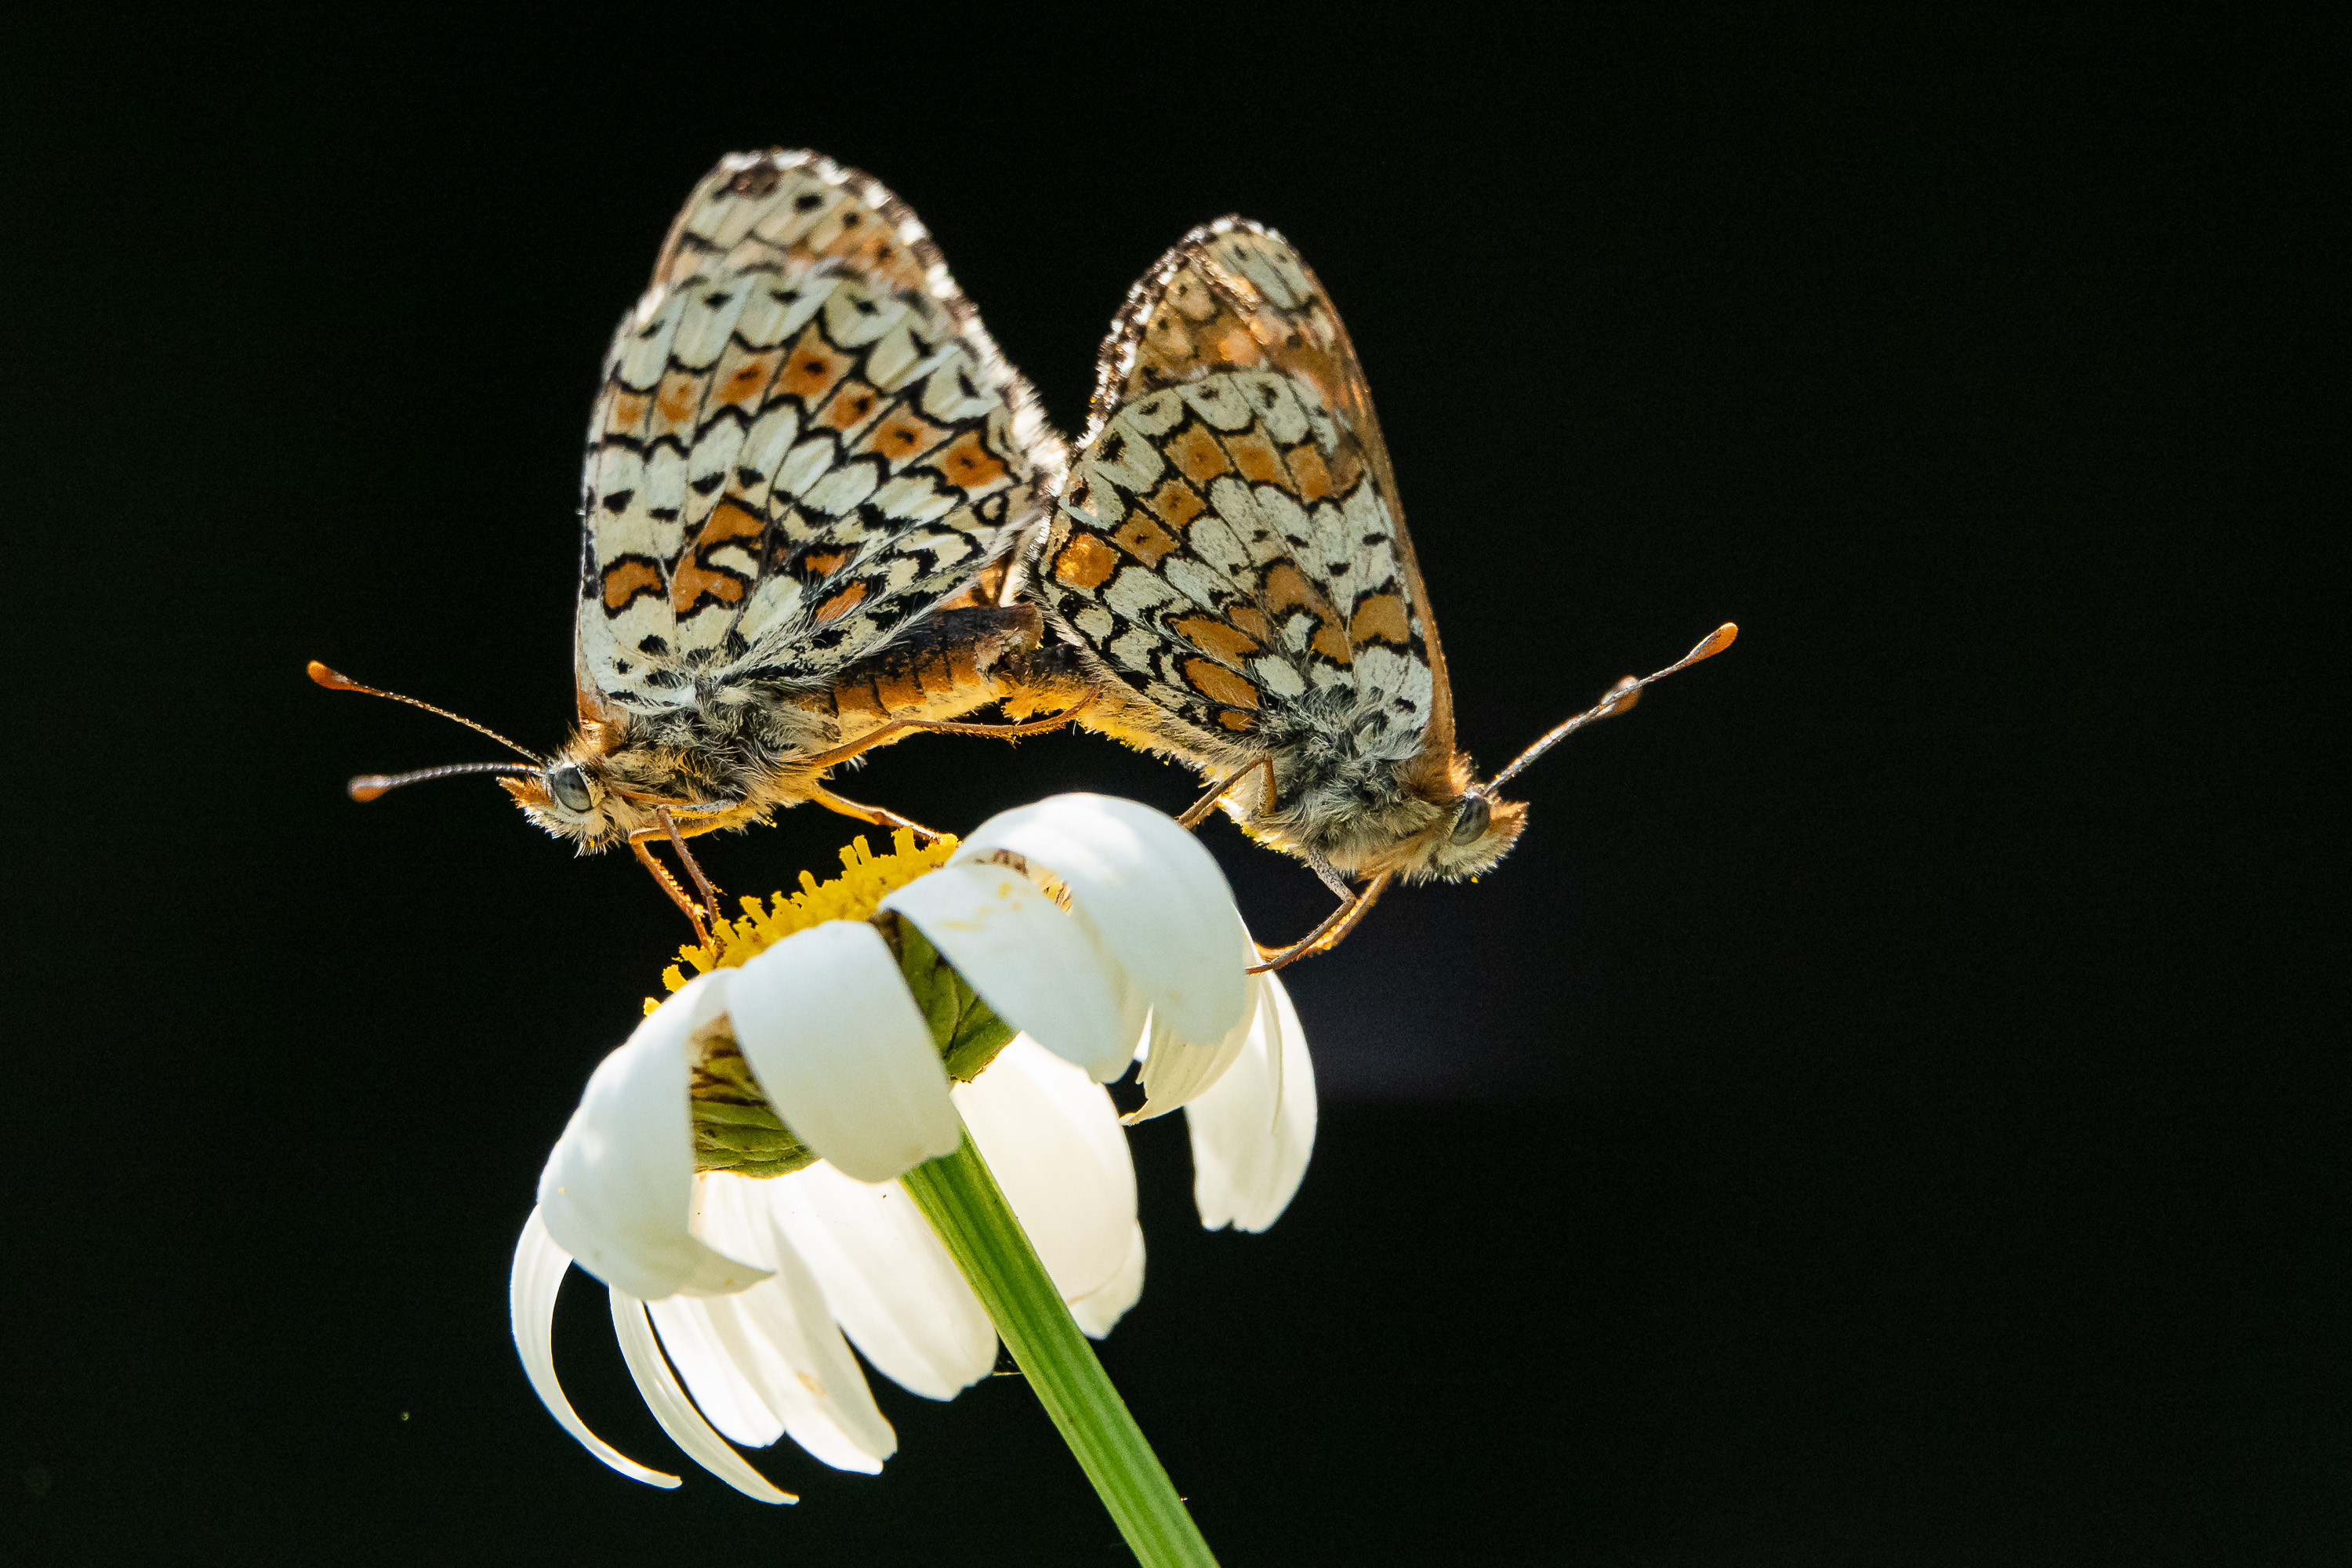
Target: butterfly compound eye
[
  {"x": 569, "y": 785},
  {"x": 1471, "y": 824}
]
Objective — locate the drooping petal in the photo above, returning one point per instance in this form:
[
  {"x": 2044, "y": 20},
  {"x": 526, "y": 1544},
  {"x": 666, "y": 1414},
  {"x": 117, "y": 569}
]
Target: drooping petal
[
  {"x": 1100, "y": 1308},
  {"x": 1151, "y": 888},
  {"x": 1253, "y": 1133},
  {"x": 1025, "y": 957},
  {"x": 676, "y": 1413},
  {"x": 769, "y": 1360},
  {"x": 617, "y": 1193},
  {"x": 1051, "y": 1137},
  {"x": 727, "y": 1398},
  {"x": 1176, "y": 1072},
  {"x": 841, "y": 1052},
  {"x": 887, "y": 1279},
  {"x": 540, "y": 1266}
]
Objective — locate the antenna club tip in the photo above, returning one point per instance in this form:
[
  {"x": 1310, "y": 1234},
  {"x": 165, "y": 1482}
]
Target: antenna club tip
[
  {"x": 367, "y": 786},
  {"x": 1722, "y": 637},
  {"x": 331, "y": 680}
]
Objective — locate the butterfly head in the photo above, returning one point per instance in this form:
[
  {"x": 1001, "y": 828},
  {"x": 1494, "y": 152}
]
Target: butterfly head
[
  {"x": 1479, "y": 833},
  {"x": 572, "y": 799},
  {"x": 597, "y": 793}
]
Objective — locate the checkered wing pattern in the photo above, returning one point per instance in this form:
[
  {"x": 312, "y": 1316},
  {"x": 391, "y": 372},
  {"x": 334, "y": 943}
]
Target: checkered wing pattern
[
  {"x": 805, "y": 442},
  {"x": 1233, "y": 551}
]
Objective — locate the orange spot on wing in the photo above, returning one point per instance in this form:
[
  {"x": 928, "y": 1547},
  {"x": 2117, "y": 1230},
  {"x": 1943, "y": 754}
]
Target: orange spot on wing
[
  {"x": 1381, "y": 618},
  {"x": 1197, "y": 455},
  {"x": 1219, "y": 684},
  {"x": 968, "y": 463},
  {"x": 699, "y": 578},
  {"x": 852, "y": 404},
  {"x": 627, "y": 412},
  {"x": 1176, "y": 504},
  {"x": 901, "y": 434},
  {"x": 812, "y": 368},
  {"x": 747, "y": 381},
  {"x": 1217, "y": 638},
  {"x": 819, "y": 564},
  {"x": 841, "y": 603},
  {"x": 680, "y": 394},
  {"x": 626, "y": 580},
  {"x": 1332, "y": 643},
  {"x": 1286, "y": 588},
  {"x": 1308, "y": 472},
  {"x": 1251, "y": 620},
  {"x": 1345, "y": 466},
  {"x": 1086, "y": 562},
  {"x": 1144, "y": 539},
  {"x": 731, "y": 520},
  {"x": 1255, "y": 456},
  {"x": 1234, "y": 721}
]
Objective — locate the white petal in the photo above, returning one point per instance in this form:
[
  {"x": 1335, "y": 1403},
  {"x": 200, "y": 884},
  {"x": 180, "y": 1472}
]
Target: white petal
[
  {"x": 769, "y": 1360},
  {"x": 1251, "y": 1134},
  {"x": 1177, "y": 1072},
  {"x": 727, "y": 1397},
  {"x": 1151, "y": 888},
  {"x": 670, "y": 1406},
  {"x": 1101, "y": 1308},
  {"x": 1025, "y": 957},
  {"x": 617, "y": 1193},
  {"x": 840, "y": 1049},
  {"x": 887, "y": 1280},
  {"x": 1053, "y": 1139},
  {"x": 538, "y": 1269}
]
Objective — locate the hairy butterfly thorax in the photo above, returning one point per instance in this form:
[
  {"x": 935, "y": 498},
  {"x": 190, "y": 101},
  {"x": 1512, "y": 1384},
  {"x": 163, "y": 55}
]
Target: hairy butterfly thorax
[
  {"x": 1229, "y": 565},
  {"x": 808, "y": 474}
]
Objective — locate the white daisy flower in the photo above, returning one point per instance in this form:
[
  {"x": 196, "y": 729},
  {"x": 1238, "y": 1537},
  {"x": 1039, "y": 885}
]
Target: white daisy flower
[{"x": 730, "y": 1173}]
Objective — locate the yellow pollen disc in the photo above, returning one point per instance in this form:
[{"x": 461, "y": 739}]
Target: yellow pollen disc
[{"x": 865, "y": 880}]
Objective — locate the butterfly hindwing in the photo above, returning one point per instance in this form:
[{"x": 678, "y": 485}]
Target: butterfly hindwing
[
  {"x": 1250, "y": 579},
  {"x": 804, "y": 442}
]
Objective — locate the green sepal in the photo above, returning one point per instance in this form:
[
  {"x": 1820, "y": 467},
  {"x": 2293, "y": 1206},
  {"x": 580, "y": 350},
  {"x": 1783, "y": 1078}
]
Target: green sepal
[
  {"x": 734, "y": 1129},
  {"x": 968, "y": 1033}
]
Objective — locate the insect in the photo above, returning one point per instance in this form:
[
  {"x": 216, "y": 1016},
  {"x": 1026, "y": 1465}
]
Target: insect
[
  {"x": 807, "y": 471},
  {"x": 1229, "y": 563}
]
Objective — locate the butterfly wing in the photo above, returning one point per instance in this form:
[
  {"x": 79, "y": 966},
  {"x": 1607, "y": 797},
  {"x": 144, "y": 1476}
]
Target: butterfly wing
[
  {"x": 1248, "y": 575},
  {"x": 805, "y": 441}
]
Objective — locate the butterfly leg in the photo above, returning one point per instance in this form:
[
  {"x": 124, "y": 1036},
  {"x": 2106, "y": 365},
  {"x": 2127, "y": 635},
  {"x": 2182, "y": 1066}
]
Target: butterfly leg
[
  {"x": 872, "y": 814},
  {"x": 1326, "y": 936},
  {"x": 897, "y": 727},
  {"x": 684, "y": 856},
  {"x": 670, "y": 885},
  {"x": 1195, "y": 814}
]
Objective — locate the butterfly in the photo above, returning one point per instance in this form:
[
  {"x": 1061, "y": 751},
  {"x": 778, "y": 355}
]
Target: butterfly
[
  {"x": 1229, "y": 565},
  {"x": 808, "y": 469}
]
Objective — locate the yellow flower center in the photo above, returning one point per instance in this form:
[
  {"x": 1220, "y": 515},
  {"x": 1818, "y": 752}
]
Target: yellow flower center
[{"x": 865, "y": 880}]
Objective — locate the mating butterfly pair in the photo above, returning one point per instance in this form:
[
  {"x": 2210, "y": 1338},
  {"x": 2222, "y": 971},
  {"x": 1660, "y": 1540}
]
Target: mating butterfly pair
[{"x": 821, "y": 512}]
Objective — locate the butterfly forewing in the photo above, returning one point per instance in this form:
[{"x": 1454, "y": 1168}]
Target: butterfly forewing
[{"x": 805, "y": 440}]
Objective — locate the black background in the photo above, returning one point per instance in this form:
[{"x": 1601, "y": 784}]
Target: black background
[{"x": 1873, "y": 1118}]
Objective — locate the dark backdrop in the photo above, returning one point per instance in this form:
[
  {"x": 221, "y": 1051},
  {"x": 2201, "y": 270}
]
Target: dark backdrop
[{"x": 1867, "y": 1120}]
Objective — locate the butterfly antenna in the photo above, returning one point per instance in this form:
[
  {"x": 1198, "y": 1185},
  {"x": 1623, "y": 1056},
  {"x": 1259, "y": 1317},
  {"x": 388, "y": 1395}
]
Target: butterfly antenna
[
  {"x": 334, "y": 682},
  {"x": 1618, "y": 697},
  {"x": 367, "y": 786}
]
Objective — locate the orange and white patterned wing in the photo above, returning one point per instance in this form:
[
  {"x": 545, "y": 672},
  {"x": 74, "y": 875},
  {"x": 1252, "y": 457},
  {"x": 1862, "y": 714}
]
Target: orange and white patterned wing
[
  {"x": 1250, "y": 576},
  {"x": 804, "y": 442}
]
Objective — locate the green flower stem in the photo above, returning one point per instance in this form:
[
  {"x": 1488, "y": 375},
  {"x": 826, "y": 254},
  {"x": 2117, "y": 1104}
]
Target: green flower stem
[{"x": 961, "y": 1198}]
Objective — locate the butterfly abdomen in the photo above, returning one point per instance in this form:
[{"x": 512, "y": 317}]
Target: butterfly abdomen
[{"x": 948, "y": 664}]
